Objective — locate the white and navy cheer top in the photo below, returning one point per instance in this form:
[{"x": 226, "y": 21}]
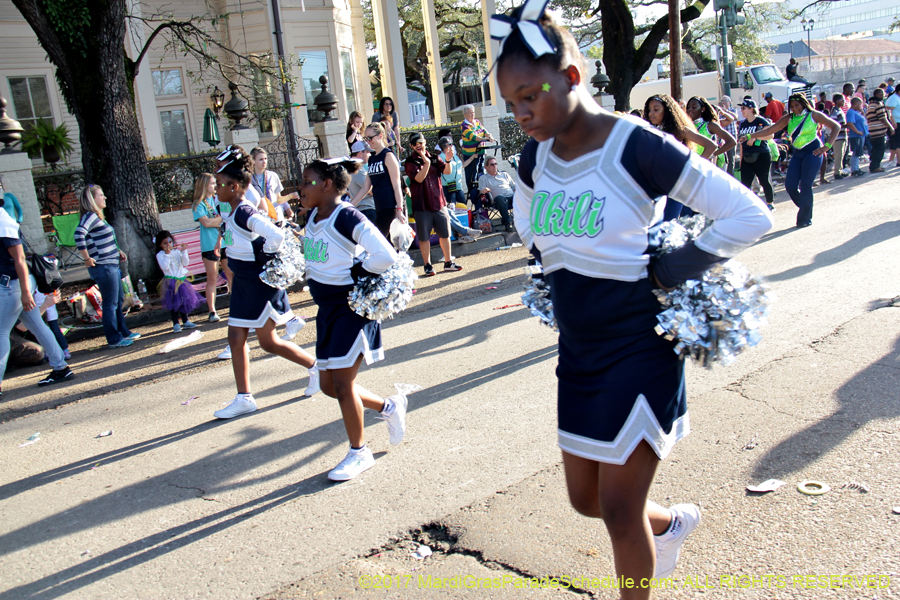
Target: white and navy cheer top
[
  {"x": 246, "y": 229},
  {"x": 594, "y": 215},
  {"x": 339, "y": 246}
]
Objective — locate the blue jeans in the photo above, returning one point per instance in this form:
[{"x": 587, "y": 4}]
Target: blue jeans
[
  {"x": 799, "y": 180},
  {"x": 109, "y": 279},
  {"x": 10, "y": 312},
  {"x": 856, "y": 148}
]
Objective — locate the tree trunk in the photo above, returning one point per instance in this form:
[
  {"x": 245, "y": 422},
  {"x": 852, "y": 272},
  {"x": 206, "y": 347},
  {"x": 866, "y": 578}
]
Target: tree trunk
[
  {"x": 625, "y": 64},
  {"x": 92, "y": 78}
]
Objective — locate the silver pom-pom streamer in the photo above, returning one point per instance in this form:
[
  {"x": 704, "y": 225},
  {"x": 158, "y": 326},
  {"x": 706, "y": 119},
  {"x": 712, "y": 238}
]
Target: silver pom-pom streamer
[
  {"x": 379, "y": 298},
  {"x": 288, "y": 266},
  {"x": 537, "y": 296},
  {"x": 719, "y": 316}
]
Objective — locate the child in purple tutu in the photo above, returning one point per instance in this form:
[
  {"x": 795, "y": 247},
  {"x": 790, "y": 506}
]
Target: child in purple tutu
[{"x": 176, "y": 293}]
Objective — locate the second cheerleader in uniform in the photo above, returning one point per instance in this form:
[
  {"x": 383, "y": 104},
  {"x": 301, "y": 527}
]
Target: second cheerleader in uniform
[
  {"x": 342, "y": 245},
  {"x": 254, "y": 304}
]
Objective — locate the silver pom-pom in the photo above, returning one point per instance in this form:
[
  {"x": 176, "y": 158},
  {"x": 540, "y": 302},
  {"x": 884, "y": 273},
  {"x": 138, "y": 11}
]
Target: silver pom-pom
[
  {"x": 537, "y": 296},
  {"x": 288, "y": 266},
  {"x": 379, "y": 298},
  {"x": 719, "y": 316}
]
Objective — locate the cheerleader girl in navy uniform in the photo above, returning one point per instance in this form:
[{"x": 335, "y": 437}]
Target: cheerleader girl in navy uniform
[
  {"x": 589, "y": 195},
  {"x": 253, "y": 303},
  {"x": 341, "y": 245}
]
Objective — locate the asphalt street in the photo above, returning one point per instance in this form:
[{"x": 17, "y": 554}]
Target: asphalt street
[{"x": 174, "y": 504}]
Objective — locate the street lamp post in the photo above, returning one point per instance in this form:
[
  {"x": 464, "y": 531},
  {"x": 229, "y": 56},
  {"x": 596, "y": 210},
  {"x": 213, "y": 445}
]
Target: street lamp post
[
  {"x": 791, "y": 42},
  {"x": 808, "y": 27}
]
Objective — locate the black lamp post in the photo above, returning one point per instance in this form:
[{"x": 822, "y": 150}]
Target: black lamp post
[
  {"x": 808, "y": 27},
  {"x": 10, "y": 130},
  {"x": 218, "y": 100}
]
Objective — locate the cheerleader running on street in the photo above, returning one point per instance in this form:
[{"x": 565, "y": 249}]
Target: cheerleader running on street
[
  {"x": 342, "y": 245},
  {"x": 253, "y": 303},
  {"x": 590, "y": 191}
]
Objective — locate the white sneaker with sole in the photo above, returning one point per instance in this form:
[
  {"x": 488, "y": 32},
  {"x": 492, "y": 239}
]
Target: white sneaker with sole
[
  {"x": 292, "y": 328},
  {"x": 241, "y": 405},
  {"x": 353, "y": 464},
  {"x": 224, "y": 354},
  {"x": 313, "y": 387},
  {"x": 396, "y": 421},
  {"x": 687, "y": 517},
  {"x": 475, "y": 233}
]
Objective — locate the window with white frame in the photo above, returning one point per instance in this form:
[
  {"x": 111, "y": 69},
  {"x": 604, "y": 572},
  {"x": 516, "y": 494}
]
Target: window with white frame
[
  {"x": 265, "y": 95},
  {"x": 347, "y": 68},
  {"x": 315, "y": 64},
  {"x": 30, "y": 99},
  {"x": 167, "y": 82}
]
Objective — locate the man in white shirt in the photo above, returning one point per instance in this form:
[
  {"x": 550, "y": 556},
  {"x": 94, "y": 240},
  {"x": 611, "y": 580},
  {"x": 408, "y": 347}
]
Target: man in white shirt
[{"x": 501, "y": 186}]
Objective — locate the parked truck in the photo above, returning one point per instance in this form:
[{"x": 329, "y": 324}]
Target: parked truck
[{"x": 753, "y": 80}]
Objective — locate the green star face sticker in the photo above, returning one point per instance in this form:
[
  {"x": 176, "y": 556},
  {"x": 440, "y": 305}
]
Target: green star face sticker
[{"x": 546, "y": 87}]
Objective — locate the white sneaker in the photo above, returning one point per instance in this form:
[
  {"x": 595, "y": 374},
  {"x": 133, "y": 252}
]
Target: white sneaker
[
  {"x": 313, "y": 387},
  {"x": 353, "y": 464},
  {"x": 224, "y": 354},
  {"x": 688, "y": 516},
  {"x": 474, "y": 233},
  {"x": 396, "y": 421},
  {"x": 241, "y": 405},
  {"x": 292, "y": 328}
]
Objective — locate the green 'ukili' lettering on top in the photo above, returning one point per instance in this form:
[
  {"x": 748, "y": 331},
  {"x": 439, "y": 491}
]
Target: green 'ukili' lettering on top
[
  {"x": 316, "y": 251},
  {"x": 555, "y": 215}
]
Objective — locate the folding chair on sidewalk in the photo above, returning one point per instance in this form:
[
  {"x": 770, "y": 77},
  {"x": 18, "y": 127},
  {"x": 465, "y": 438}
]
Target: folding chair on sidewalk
[{"x": 64, "y": 237}]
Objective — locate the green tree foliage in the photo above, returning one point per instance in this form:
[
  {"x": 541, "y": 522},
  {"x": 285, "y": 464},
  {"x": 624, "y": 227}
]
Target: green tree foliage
[{"x": 746, "y": 41}]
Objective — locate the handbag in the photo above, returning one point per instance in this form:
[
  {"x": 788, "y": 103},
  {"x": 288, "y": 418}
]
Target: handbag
[{"x": 45, "y": 271}]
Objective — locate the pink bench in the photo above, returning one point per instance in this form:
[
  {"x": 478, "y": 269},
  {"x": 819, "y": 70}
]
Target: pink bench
[{"x": 195, "y": 267}]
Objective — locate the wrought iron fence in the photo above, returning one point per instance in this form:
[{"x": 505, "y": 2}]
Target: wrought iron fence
[
  {"x": 173, "y": 178},
  {"x": 289, "y": 154},
  {"x": 57, "y": 191}
]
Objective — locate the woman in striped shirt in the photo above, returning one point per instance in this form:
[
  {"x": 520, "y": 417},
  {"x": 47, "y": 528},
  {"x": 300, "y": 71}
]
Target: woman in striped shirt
[{"x": 96, "y": 241}]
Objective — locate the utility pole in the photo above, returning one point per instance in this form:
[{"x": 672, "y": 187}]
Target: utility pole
[{"x": 675, "y": 62}]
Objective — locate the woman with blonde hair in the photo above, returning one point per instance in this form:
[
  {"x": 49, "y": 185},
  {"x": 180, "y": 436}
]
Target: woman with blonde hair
[
  {"x": 206, "y": 212},
  {"x": 96, "y": 241},
  {"x": 384, "y": 180},
  {"x": 268, "y": 187}
]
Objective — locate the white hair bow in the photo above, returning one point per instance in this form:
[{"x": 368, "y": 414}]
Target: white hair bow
[{"x": 528, "y": 24}]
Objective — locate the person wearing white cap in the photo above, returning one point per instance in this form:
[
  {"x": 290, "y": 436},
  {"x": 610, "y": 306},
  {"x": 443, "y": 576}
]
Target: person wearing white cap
[{"x": 366, "y": 205}]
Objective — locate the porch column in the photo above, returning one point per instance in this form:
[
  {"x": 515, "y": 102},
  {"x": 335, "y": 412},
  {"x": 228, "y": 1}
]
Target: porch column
[
  {"x": 390, "y": 56},
  {"x": 363, "y": 84},
  {"x": 435, "y": 72},
  {"x": 492, "y": 50}
]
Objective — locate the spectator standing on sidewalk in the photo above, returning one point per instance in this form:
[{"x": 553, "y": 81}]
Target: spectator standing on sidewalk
[
  {"x": 429, "y": 206},
  {"x": 366, "y": 203},
  {"x": 840, "y": 143},
  {"x": 473, "y": 134},
  {"x": 774, "y": 108},
  {"x": 730, "y": 120},
  {"x": 501, "y": 187},
  {"x": 96, "y": 241},
  {"x": 858, "y": 129},
  {"x": 879, "y": 127},
  {"x": 892, "y": 103}
]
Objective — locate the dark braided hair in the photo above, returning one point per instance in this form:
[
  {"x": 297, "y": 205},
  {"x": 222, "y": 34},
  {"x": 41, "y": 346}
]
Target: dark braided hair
[
  {"x": 339, "y": 173},
  {"x": 236, "y": 166}
]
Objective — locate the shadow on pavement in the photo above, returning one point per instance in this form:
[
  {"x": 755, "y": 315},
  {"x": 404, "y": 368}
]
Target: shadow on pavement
[
  {"x": 855, "y": 245},
  {"x": 870, "y": 396}
]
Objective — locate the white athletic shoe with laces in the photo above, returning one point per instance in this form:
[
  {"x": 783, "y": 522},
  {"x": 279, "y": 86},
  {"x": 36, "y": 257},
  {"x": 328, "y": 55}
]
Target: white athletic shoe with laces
[
  {"x": 313, "y": 387},
  {"x": 353, "y": 464},
  {"x": 292, "y": 328},
  {"x": 224, "y": 354},
  {"x": 396, "y": 421},
  {"x": 241, "y": 405},
  {"x": 688, "y": 516}
]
